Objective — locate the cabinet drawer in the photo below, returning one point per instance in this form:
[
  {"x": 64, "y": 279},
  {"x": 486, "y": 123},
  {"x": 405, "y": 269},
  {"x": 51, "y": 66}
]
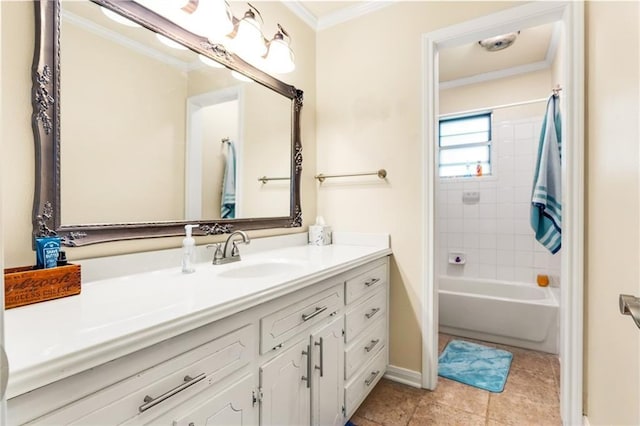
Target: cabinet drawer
[
  {"x": 163, "y": 386},
  {"x": 297, "y": 316},
  {"x": 365, "y": 313},
  {"x": 357, "y": 389},
  {"x": 365, "y": 347},
  {"x": 365, "y": 283}
]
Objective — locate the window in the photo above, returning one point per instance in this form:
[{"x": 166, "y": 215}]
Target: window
[{"x": 465, "y": 143}]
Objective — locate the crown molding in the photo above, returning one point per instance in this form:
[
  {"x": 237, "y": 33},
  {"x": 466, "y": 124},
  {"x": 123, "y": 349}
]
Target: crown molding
[
  {"x": 298, "y": 8},
  {"x": 337, "y": 17},
  {"x": 131, "y": 44}
]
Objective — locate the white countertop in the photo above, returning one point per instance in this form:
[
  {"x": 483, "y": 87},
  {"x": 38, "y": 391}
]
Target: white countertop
[{"x": 113, "y": 317}]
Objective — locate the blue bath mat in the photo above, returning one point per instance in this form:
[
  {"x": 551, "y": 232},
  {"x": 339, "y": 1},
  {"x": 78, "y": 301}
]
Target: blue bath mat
[{"x": 475, "y": 365}]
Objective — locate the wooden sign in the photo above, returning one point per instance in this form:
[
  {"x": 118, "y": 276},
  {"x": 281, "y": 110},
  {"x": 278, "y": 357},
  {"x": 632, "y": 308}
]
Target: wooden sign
[{"x": 26, "y": 285}]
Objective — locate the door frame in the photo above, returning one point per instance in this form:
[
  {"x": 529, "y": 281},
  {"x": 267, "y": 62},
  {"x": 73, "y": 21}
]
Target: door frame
[
  {"x": 571, "y": 14},
  {"x": 193, "y": 151}
]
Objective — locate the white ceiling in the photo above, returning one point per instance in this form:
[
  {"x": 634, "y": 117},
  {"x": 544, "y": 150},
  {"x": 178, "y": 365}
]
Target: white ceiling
[{"x": 533, "y": 50}]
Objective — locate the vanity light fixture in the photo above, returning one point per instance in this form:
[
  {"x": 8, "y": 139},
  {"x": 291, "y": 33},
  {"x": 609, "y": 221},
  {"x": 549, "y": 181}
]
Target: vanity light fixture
[
  {"x": 280, "y": 57},
  {"x": 248, "y": 41},
  {"x": 211, "y": 19}
]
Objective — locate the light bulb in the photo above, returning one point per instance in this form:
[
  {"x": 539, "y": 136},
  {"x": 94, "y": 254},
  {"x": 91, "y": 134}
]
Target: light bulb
[
  {"x": 249, "y": 41},
  {"x": 280, "y": 57},
  {"x": 211, "y": 19}
]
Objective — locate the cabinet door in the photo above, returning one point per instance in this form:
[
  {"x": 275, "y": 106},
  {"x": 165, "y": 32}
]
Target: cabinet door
[
  {"x": 328, "y": 372},
  {"x": 285, "y": 393},
  {"x": 232, "y": 406}
]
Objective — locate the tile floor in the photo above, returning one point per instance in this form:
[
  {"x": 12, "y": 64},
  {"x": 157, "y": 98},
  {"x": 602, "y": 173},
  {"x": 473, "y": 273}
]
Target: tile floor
[{"x": 530, "y": 397}]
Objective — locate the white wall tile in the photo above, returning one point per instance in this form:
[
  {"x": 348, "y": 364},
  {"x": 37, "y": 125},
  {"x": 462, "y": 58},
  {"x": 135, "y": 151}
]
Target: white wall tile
[
  {"x": 471, "y": 211},
  {"x": 505, "y": 195},
  {"x": 495, "y": 234},
  {"x": 505, "y": 257},
  {"x": 471, "y": 240},
  {"x": 454, "y": 211},
  {"x": 523, "y": 131},
  {"x": 487, "y": 241},
  {"x": 456, "y": 240},
  {"x": 487, "y": 211},
  {"x": 523, "y": 275},
  {"x": 488, "y": 196},
  {"x": 487, "y": 271},
  {"x": 488, "y": 226},
  {"x": 487, "y": 257},
  {"x": 524, "y": 259},
  {"x": 505, "y": 273},
  {"x": 523, "y": 243},
  {"x": 505, "y": 211}
]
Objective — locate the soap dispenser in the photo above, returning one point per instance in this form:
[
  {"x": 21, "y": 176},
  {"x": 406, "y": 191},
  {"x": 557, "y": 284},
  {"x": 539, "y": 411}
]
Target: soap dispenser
[{"x": 189, "y": 250}]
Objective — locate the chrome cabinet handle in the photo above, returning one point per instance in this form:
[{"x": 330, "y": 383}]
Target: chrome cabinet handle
[
  {"x": 372, "y": 313},
  {"x": 371, "y": 282},
  {"x": 630, "y": 305},
  {"x": 188, "y": 381},
  {"x": 318, "y": 311},
  {"x": 321, "y": 367},
  {"x": 371, "y": 345},
  {"x": 307, "y": 378},
  {"x": 372, "y": 377}
]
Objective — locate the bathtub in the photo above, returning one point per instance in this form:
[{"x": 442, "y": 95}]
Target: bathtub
[{"x": 522, "y": 315}]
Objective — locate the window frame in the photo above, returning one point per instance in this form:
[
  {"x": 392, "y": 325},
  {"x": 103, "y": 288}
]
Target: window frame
[{"x": 488, "y": 144}]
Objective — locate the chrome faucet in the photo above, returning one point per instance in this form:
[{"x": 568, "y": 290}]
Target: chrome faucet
[{"x": 224, "y": 255}]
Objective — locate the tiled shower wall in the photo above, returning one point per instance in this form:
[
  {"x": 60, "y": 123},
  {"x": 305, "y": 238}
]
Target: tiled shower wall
[{"x": 495, "y": 234}]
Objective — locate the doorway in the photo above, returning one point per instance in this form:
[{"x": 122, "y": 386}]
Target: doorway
[{"x": 570, "y": 17}]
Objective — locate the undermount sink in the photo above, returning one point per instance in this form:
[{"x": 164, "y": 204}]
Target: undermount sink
[{"x": 261, "y": 269}]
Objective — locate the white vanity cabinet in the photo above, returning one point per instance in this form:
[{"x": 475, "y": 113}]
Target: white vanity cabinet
[
  {"x": 366, "y": 332},
  {"x": 307, "y": 357}
]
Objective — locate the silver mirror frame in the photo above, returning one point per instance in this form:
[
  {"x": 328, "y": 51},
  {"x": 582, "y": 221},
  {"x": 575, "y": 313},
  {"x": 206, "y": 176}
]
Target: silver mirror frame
[{"x": 46, "y": 118}]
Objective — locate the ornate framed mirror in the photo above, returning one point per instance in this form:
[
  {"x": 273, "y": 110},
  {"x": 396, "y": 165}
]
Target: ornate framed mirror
[{"x": 134, "y": 139}]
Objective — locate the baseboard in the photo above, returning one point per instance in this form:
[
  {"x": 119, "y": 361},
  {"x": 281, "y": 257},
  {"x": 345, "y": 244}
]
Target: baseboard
[{"x": 404, "y": 376}]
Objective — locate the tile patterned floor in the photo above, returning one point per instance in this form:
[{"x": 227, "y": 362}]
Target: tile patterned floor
[{"x": 531, "y": 397}]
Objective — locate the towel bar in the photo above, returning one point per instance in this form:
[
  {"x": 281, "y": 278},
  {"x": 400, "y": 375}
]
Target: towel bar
[
  {"x": 265, "y": 179},
  {"x": 382, "y": 174}
]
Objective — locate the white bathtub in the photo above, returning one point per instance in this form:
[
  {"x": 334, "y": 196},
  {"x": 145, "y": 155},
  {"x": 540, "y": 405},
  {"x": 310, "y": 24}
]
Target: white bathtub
[{"x": 522, "y": 315}]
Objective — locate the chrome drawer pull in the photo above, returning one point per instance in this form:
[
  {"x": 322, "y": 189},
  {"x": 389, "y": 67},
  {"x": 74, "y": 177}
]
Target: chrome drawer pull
[
  {"x": 371, "y": 282},
  {"x": 371, "y": 378},
  {"x": 318, "y": 311},
  {"x": 307, "y": 378},
  {"x": 321, "y": 367},
  {"x": 372, "y": 313},
  {"x": 188, "y": 381},
  {"x": 371, "y": 345}
]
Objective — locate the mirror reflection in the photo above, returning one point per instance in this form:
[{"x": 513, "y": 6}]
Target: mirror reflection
[{"x": 155, "y": 133}]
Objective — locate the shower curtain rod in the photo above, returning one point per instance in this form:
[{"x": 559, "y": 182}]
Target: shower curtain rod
[{"x": 514, "y": 104}]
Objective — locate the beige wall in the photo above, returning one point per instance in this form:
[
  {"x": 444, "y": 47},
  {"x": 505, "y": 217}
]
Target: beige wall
[
  {"x": 369, "y": 117},
  {"x": 117, "y": 144},
  {"x": 612, "y": 351},
  {"x": 18, "y": 151}
]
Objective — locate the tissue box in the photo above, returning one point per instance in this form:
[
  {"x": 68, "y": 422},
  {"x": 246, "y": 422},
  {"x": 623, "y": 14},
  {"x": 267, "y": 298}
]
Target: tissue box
[
  {"x": 26, "y": 285},
  {"x": 319, "y": 235}
]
